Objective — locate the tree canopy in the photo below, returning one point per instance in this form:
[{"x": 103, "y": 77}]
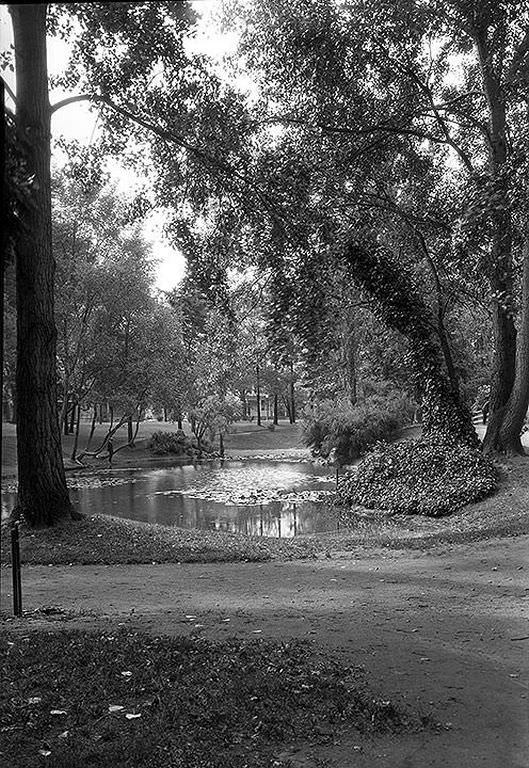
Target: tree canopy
[{"x": 349, "y": 169}]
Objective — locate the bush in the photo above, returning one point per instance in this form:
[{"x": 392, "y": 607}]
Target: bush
[
  {"x": 163, "y": 443},
  {"x": 349, "y": 431},
  {"x": 419, "y": 477}
]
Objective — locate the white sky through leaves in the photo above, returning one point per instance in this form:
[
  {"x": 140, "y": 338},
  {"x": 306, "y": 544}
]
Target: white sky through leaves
[{"x": 79, "y": 121}]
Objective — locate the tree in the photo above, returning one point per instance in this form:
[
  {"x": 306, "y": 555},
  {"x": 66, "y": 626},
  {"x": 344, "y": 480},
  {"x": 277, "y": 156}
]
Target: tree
[
  {"x": 407, "y": 113},
  {"x": 42, "y": 493}
]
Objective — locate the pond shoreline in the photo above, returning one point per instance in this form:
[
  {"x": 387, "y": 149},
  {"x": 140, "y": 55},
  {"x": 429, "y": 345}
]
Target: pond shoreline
[
  {"x": 277, "y": 494},
  {"x": 141, "y": 459}
]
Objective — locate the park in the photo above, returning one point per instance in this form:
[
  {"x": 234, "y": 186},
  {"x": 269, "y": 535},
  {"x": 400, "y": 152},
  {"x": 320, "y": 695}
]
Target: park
[{"x": 265, "y": 384}]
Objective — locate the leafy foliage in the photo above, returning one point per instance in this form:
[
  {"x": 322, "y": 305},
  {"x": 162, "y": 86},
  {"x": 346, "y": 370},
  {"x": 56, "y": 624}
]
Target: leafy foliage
[
  {"x": 424, "y": 477},
  {"x": 400, "y": 306},
  {"x": 348, "y": 431},
  {"x": 163, "y": 443}
]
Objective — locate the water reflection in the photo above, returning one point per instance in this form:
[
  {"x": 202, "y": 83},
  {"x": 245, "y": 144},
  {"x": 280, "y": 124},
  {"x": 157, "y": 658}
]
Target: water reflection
[{"x": 259, "y": 498}]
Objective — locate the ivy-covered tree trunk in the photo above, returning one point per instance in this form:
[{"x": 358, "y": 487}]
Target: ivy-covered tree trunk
[
  {"x": 392, "y": 297},
  {"x": 42, "y": 492}
]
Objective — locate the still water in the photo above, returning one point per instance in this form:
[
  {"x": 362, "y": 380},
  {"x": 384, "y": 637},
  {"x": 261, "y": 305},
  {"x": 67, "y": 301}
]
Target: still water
[{"x": 257, "y": 497}]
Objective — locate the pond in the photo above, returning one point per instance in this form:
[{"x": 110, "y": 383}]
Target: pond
[{"x": 256, "y": 497}]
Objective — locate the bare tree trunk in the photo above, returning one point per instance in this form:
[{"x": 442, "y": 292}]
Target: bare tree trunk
[
  {"x": 500, "y": 271},
  {"x": 136, "y": 428},
  {"x": 292, "y": 395},
  {"x": 92, "y": 428},
  {"x": 516, "y": 408},
  {"x": 77, "y": 409},
  {"x": 276, "y": 415},
  {"x": 71, "y": 427},
  {"x": 288, "y": 405},
  {"x": 258, "y": 379},
  {"x": 504, "y": 356},
  {"x": 63, "y": 418},
  {"x": 42, "y": 492}
]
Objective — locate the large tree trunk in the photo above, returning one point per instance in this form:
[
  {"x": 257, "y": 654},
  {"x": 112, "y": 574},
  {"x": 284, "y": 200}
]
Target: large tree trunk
[
  {"x": 516, "y": 408},
  {"x": 504, "y": 356},
  {"x": 42, "y": 493},
  {"x": 500, "y": 268}
]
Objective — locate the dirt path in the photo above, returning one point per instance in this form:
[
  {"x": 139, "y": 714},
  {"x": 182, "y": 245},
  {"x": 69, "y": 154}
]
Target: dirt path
[{"x": 444, "y": 632}]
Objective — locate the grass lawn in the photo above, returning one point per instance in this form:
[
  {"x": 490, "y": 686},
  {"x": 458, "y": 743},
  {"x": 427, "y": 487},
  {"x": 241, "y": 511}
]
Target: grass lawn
[
  {"x": 244, "y": 436},
  {"x": 103, "y": 539},
  {"x": 74, "y": 699}
]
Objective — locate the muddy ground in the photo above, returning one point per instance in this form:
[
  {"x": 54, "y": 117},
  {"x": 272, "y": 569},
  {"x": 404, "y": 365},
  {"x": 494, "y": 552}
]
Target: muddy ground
[{"x": 446, "y": 631}]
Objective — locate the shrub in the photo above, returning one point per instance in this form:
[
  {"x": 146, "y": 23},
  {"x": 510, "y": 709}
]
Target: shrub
[
  {"x": 349, "y": 431},
  {"x": 162, "y": 443},
  {"x": 419, "y": 477}
]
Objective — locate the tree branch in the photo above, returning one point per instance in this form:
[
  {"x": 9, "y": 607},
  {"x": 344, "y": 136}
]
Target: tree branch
[
  {"x": 178, "y": 139},
  {"x": 517, "y": 59},
  {"x": 9, "y": 90}
]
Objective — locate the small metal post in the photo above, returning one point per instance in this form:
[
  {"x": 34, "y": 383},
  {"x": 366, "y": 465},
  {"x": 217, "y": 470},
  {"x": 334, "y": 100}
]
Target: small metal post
[{"x": 15, "y": 565}]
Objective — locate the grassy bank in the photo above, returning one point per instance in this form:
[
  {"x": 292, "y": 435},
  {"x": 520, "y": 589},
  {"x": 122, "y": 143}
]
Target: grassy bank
[
  {"x": 73, "y": 699},
  {"x": 243, "y": 438},
  {"x": 109, "y": 540}
]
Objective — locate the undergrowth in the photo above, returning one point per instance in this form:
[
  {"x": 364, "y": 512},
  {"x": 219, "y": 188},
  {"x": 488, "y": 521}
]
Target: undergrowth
[
  {"x": 346, "y": 432},
  {"x": 75, "y": 699},
  {"x": 419, "y": 477}
]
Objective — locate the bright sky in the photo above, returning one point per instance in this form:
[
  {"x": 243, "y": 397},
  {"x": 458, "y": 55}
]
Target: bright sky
[{"x": 77, "y": 121}]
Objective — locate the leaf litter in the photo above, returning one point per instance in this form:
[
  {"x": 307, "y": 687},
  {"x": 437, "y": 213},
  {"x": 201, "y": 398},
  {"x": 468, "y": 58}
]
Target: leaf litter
[{"x": 186, "y": 700}]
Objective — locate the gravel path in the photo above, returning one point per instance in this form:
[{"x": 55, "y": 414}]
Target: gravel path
[{"x": 450, "y": 632}]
